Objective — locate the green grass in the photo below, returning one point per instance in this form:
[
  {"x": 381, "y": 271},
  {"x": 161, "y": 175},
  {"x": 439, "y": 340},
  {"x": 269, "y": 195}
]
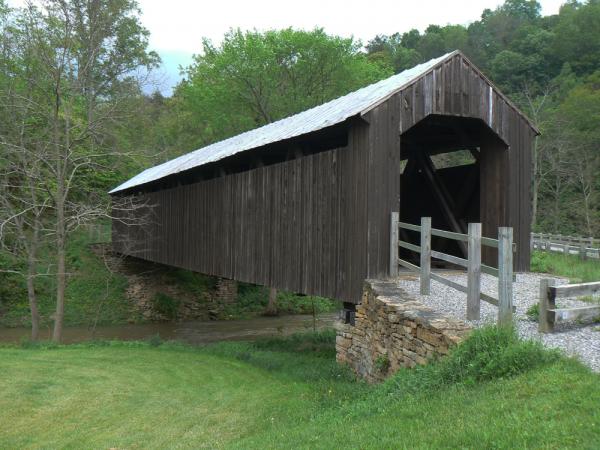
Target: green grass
[
  {"x": 93, "y": 294},
  {"x": 494, "y": 391},
  {"x": 568, "y": 266}
]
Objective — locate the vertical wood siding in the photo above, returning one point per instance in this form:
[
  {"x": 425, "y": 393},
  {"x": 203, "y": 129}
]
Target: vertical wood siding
[{"x": 298, "y": 225}]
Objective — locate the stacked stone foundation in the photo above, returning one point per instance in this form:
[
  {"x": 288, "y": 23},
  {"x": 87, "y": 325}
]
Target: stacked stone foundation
[{"x": 392, "y": 330}]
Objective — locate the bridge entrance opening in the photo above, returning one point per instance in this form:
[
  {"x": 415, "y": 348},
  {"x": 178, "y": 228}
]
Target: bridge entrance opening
[{"x": 447, "y": 173}]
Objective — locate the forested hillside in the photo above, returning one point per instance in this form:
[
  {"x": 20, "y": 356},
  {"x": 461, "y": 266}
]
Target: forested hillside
[{"x": 76, "y": 121}]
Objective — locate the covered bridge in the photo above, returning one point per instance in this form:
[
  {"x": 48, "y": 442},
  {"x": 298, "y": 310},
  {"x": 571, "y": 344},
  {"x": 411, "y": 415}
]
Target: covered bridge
[{"x": 304, "y": 204}]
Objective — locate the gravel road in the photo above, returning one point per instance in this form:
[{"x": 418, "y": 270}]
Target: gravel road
[{"x": 579, "y": 340}]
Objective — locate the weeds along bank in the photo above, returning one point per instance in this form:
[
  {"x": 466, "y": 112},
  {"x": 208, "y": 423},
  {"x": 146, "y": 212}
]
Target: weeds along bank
[
  {"x": 491, "y": 391},
  {"x": 104, "y": 289}
]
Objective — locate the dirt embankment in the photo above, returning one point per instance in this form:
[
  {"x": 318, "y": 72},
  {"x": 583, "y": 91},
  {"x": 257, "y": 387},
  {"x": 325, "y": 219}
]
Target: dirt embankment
[{"x": 158, "y": 292}]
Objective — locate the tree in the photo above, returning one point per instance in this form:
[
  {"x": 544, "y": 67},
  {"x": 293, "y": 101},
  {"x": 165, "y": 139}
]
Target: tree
[
  {"x": 581, "y": 112},
  {"x": 577, "y": 36},
  {"x": 85, "y": 54},
  {"x": 24, "y": 204},
  {"x": 255, "y": 78}
]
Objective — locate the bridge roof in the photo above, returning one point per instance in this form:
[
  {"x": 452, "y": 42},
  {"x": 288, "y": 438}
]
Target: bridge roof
[{"x": 331, "y": 113}]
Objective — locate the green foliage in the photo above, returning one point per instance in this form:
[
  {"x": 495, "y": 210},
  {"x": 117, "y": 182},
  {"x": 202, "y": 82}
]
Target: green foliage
[
  {"x": 12, "y": 285},
  {"x": 165, "y": 305},
  {"x": 194, "y": 282},
  {"x": 253, "y": 299},
  {"x": 94, "y": 294},
  {"x": 578, "y": 35},
  {"x": 533, "y": 312},
  {"x": 489, "y": 353},
  {"x": 253, "y": 78},
  {"x": 382, "y": 363}
]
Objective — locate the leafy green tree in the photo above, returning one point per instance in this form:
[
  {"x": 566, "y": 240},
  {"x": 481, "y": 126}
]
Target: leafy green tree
[
  {"x": 254, "y": 78},
  {"x": 71, "y": 73},
  {"x": 389, "y": 50},
  {"x": 577, "y": 36}
]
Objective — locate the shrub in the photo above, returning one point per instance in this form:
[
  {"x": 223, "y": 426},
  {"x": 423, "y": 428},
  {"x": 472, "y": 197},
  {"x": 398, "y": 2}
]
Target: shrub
[
  {"x": 533, "y": 312},
  {"x": 165, "y": 305},
  {"x": 155, "y": 340},
  {"x": 382, "y": 363}
]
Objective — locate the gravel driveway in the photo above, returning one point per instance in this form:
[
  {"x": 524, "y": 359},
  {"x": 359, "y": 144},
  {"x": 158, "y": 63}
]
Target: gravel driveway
[{"x": 581, "y": 341}]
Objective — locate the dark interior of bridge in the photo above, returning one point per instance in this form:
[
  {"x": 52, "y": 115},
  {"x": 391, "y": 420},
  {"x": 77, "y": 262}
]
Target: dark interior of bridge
[{"x": 440, "y": 178}]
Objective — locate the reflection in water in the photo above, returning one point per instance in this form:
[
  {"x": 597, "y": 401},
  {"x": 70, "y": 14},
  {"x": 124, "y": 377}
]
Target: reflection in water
[{"x": 195, "y": 332}]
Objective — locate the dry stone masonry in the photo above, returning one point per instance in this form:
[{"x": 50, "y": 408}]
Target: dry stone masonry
[{"x": 392, "y": 330}]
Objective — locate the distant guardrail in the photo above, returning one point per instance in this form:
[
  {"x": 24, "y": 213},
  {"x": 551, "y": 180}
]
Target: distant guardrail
[{"x": 584, "y": 247}]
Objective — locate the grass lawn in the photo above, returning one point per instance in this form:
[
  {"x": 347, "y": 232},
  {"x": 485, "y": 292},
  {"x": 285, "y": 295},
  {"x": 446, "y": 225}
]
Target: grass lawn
[
  {"x": 494, "y": 392},
  {"x": 569, "y": 266}
]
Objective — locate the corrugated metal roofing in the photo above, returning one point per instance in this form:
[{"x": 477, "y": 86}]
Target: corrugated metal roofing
[{"x": 322, "y": 116}]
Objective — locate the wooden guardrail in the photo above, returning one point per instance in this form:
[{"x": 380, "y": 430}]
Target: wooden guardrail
[
  {"x": 549, "y": 314},
  {"x": 585, "y": 247},
  {"x": 473, "y": 264}
]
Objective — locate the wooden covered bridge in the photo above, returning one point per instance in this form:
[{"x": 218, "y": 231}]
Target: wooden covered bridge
[{"x": 304, "y": 204}]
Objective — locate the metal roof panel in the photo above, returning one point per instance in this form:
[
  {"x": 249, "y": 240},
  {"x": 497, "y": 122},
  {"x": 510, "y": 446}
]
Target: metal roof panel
[{"x": 322, "y": 116}]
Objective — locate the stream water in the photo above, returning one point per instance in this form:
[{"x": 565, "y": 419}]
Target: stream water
[{"x": 193, "y": 332}]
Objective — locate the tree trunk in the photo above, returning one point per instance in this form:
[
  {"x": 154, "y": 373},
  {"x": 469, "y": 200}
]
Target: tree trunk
[
  {"x": 272, "y": 306},
  {"x": 61, "y": 277},
  {"x": 31, "y": 294},
  {"x": 535, "y": 193},
  {"x": 61, "y": 231}
]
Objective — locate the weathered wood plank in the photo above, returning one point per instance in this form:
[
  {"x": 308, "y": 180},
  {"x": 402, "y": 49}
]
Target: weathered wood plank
[
  {"x": 474, "y": 272},
  {"x": 425, "y": 277},
  {"x": 394, "y": 242},
  {"x": 450, "y": 258},
  {"x": 409, "y": 246},
  {"x": 505, "y": 276},
  {"x": 409, "y": 226},
  {"x": 577, "y": 313},
  {"x": 447, "y": 282},
  {"x": 408, "y": 265},
  {"x": 576, "y": 290}
]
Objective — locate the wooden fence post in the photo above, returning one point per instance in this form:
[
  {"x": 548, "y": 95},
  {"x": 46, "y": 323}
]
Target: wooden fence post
[
  {"x": 505, "y": 275},
  {"x": 532, "y": 242},
  {"x": 547, "y": 301},
  {"x": 474, "y": 272},
  {"x": 425, "y": 255},
  {"x": 394, "y": 244},
  {"x": 583, "y": 251}
]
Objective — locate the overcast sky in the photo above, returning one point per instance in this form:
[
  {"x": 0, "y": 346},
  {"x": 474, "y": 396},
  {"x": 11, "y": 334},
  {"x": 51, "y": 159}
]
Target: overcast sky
[{"x": 177, "y": 26}]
